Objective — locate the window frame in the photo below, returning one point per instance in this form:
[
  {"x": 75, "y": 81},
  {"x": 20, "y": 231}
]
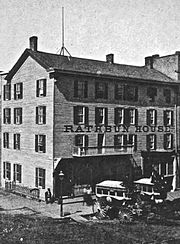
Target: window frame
[
  {"x": 6, "y": 140},
  {"x": 151, "y": 117},
  {"x": 41, "y": 115},
  {"x": 40, "y": 177},
  {"x": 17, "y": 116},
  {"x": 17, "y": 176},
  {"x": 151, "y": 93},
  {"x": 166, "y": 114},
  {"x": 151, "y": 140},
  {"x": 7, "y": 92},
  {"x": 18, "y": 91},
  {"x": 101, "y": 90},
  {"x": 80, "y": 89},
  {"x": 103, "y": 115},
  {"x": 40, "y": 143},
  {"x": 119, "y": 117},
  {"x": 7, "y": 115},
  {"x": 7, "y": 170},
  {"x": 168, "y": 141},
  {"x": 17, "y": 141},
  {"x": 41, "y": 85}
]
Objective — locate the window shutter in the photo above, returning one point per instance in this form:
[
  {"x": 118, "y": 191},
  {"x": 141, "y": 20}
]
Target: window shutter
[
  {"x": 37, "y": 88},
  {"x": 136, "y": 117},
  {"x": 106, "y": 91},
  {"x": 4, "y": 170},
  {"x": 15, "y": 110},
  {"x": 37, "y": 117},
  {"x": 86, "y": 89},
  {"x": 44, "y": 114},
  {"x": 76, "y": 140},
  {"x": 106, "y": 116},
  {"x": 148, "y": 117},
  {"x": 44, "y": 87},
  {"x": 14, "y": 141},
  {"x": 165, "y": 141},
  {"x": 86, "y": 115},
  {"x": 125, "y": 141},
  {"x": 135, "y": 143},
  {"x": 44, "y": 176},
  {"x": 36, "y": 143},
  {"x": 115, "y": 141},
  {"x": 155, "y": 142},
  {"x": 14, "y": 91},
  {"x": 75, "y": 88},
  {"x": 172, "y": 141},
  {"x": 164, "y": 118},
  {"x": 21, "y": 90},
  {"x": 96, "y": 116},
  {"x": 4, "y": 113},
  {"x": 116, "y": 92},
  {"x": 147, "y": 142},
  {"x": 126, "y": 117},
  {"x": 14, "y": 173},
  {"x": 36, "y": 178},
  {"x": 9, "y": 115},
  {"x": 136, "y": 94},
  {"x": 44, "y": 143},
  {"x": 155, "y": 117},
  {"x": 172, "y": 118},
  {"x": 21, "y": 115},
  {"x": 96, "y": 90},
  {"x": 9, "y": 86},
  {"x": 115, "y": 116},
  {"x": 75, "y": 115},
  {"x": 125, "y": 92},
  {"x": 86, "y": 141},
  {"x": 4, "y": 92}
]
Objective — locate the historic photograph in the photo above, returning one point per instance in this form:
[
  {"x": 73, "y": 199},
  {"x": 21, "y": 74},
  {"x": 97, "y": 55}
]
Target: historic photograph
[{"x": 90, "y": 121}]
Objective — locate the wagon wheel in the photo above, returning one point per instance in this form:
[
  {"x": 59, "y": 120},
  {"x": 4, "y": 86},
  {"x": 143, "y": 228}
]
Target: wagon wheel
[{"x": 125, "y": 216}]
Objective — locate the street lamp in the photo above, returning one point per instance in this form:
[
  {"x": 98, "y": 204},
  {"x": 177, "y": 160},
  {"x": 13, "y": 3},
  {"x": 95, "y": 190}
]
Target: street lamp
[{"x": 61, "y": 177}]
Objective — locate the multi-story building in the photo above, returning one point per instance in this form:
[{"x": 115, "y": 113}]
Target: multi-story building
[{"x": 94, "y": 120}]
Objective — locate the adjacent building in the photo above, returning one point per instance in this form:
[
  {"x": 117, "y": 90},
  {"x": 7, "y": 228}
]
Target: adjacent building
[{"x": 93, "y": 120}]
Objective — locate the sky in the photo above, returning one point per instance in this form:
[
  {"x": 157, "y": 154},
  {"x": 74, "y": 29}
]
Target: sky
[{"x": 131, "y": 29}]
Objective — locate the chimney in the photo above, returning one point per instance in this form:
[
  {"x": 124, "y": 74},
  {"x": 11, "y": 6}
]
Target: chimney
[
  {"x": 110, "y": 58},
  {"x": 33, "y": 43},
  {"x": 149, "y": 62}
]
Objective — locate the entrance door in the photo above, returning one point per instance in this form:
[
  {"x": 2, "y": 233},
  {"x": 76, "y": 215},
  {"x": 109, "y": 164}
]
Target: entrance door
[{"x": 101, "y": 143}]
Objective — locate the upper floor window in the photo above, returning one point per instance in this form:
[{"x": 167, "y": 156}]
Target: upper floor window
[
  {"x": 101, "y": 116},
  {"x": 130, "y": 93},
  {"x": 119, "y": 116},
  {"x": 81, "y": 141},
  {"x": 119, "y": 91},
  {"x": 130, "y": 116},
  {"x": 7, "y": 92},
  {"x": 152, "y": 93},
  {"x": 17, "y": 173},
  {"x": 40, "y": 177},
  {"x": 81, "y": 115},
  {"x": 7, "y": 115},
  {"x": 133, "y": 141},
  {"x": 120, "y": 141},
  {"x": 41, "y": 115},
  {"x": 101, "y": 90},
  {"x": 18, "y": 116},
  {"x": 151, "y": 117},
  {"x": 80, "y": 89},
  {"x": 167, "y": 95},
  {"x": 168, "y": 117},
  {"x": 7, "y": 170},
  {"x": 41, "y": 88},
  {"x": 6, "y": 140},
  {"x": 17, "y": 141},
  {"x": 40, "y": 143},
  {"x": 18, "y": 91},
  {"x": 151, "y": 142},
  {"x": 168, "y": 141}
]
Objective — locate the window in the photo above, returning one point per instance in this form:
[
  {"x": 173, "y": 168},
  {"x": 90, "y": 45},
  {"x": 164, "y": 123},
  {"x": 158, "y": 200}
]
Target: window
[
  {"x": 151, "y": 93},
  {"x": 7, "y": 92},
  {"x": 81, "y": 115},
  {"x": 130, "y": 116},
  {"x": 80, "y": 89},
  {"x": 17, "y": 141},
  {"x": 41, "y": 88},
  {"x": 168, "y": 117},
  {"x": 41, "y": 115},
  {"x": 40, "y": 143},
  {"x": 119, "y": 91},
  {"x": 151, "y": 117},
  {"x": 167, "y": 95},
  {"x": 101, "y": 116},
  {"x": 7, "y": 170},
  {"x": 18, "y": 91},
  {"x": 133, "y": 141},
  {"x": 101, "y": 90},
  {"x": 120, "y": 141},
  {"x": 6, "y": 140},
  {"x": 7, "y": 115},
  {"x": 168, "y": 141},
  {"x": 18, "y": 116},
  {"x": 40, "y": 178},
  {"x": 81, "y": 141},
  {"x": 151, "y": 142},
  {"x": 17, "y": 173},
  {"x": 165, "y": 168},
  {"x": 119, "y": 116},
  {"x": 130, "y": 93}
]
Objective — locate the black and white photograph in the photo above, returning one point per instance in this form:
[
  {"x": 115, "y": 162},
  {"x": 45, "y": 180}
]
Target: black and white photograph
[{"x": 90, "y": 121}]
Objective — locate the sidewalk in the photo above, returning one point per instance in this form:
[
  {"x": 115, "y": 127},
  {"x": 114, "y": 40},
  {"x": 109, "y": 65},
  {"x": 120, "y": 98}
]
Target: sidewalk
[{"x": 14, "y": 204}]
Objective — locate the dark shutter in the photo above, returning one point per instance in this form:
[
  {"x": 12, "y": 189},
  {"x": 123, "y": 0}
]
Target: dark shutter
[
  {"x": 4, "y": 120},
  {"x": 9, "y": 111},
  {"x": 36, "y": 143},
  {"x": 96, "y": 89},
  {"x": 136, "y": 94},
  {"x": 20, "y": 173},
  {"x": 115, "y": 141},
  {"x": 44, "y": 143},
  {"x": 85, "y": 89},
  {"x": 148, "y": 117},
  {"x": 164, "y": 118},
  {"x": 37, "y": 88},
  {"x": 155, "y": 142},
  {"x": 4, "y": 92},
  {"x": 116, "y": 92},
  {"x": 96, "y": 116},
  {"x": 4, "y": 140},
  {"x": 15, "y": 111},
  {"x": 86, "y": 141},
  {"x": 44, "y": 114},
  {"x": 75, "y": 111},
  {"x": 125, "y": 92},
  {"x": 21, "y": 115},
  {"x": 14, "y": 91},
  {"x": 14, "y": 141},
  {"x": 155, "y": 114},
  {"x": 9, "y": 86},
  {"x": 4, "y": 170},
  {"x": 86, "y": 115},
  {"x": 21, "y": 90},
  {"x": 36, "y": 178},
  {"x": 172, "y": 141},
  {"x": 106, "y": 116},
  {"x": 136, "y": 117},
  {"x": 135, "y": 142},
  {"x": 125, "y": 141},
  {"x": 115, "y": 116},
  {"x": 147, "y": 143},
  {"x": 14, "y": 173},
  {"x": 37, "y": 117},
  {"x": 75, "y": 88},
  {"x": 126, "y": 117},
  {"x": 165, "y": 141},
  {"x": 172, "y": 118},
  {"x": 44, "y": 87},
  {"x": 44, "y": 176},
  {"x": 76, "y": 140},
  {"x": 106, "y": 91}
]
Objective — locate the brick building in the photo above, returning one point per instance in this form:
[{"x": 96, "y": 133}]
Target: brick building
[{"x": 94, "y": 120}]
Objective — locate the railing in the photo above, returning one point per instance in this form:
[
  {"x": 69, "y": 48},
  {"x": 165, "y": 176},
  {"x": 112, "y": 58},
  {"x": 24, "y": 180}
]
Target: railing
[{"x": 105, "y": 150}]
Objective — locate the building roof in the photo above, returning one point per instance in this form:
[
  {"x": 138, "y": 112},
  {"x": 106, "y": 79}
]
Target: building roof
[
  {"x": 144, "y": 181},
  {"x": 87, "y": 66},
  {"x": 111, "y": 184}
]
